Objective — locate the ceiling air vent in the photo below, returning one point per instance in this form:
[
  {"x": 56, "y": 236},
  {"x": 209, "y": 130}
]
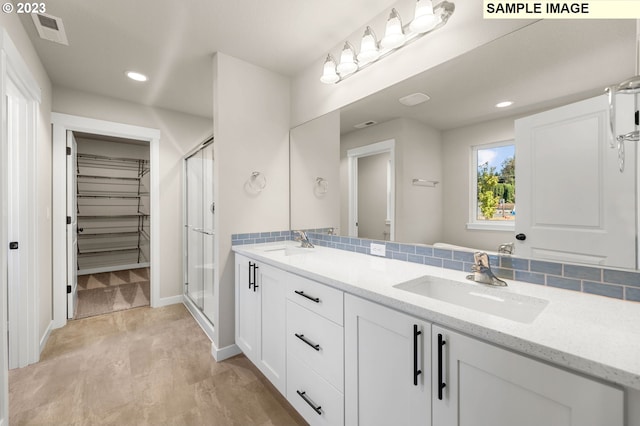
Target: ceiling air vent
[
  {"x": 50, "y": 28},
  {"x": 365, "y": 124}
]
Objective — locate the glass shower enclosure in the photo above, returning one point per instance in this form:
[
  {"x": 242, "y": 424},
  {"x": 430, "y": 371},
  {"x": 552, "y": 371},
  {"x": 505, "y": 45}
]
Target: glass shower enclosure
[{"x": 199, "y": 232}]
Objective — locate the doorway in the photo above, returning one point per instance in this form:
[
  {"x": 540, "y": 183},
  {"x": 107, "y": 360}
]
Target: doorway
[
  {"x": 103, "y": 199},
  {"x": 371, "y": 171},
  {"x": 109, "y": 237}
]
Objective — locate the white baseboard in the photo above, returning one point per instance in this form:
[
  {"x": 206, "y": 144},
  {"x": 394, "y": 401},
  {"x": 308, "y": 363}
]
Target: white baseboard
[
  {"x": 224, "y": 353},
  {"x": 45, "y": 337},
  {"x": 166, "y": 301}
]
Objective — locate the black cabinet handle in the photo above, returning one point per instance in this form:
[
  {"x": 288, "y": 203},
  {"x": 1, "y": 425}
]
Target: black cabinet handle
[
  {"x": 252, "y": 271},
  {"x": 304, "y": 339},
  {"x": 303, "y": 395},
  {"x": 313, "y": 299},
  {"x": 521, "y": 237},
  {"x": 255, "y": 285},
  {"x": 416, "y": 372},
  {"x": 441, "y": 384}
]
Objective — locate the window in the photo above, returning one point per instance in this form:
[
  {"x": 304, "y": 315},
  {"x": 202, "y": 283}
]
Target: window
[{"x": 493, "y": 188}]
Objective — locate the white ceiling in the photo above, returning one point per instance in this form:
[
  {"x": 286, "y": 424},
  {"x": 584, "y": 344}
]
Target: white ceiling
[
  {"x": 173, "y": 43},
  {"x": 546, "y": 64}
]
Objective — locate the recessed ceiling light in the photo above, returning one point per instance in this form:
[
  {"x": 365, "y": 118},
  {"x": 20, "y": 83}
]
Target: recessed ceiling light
[
  {"x": 504, "y": 104},
  {"x": 414, "y": 99},
  {"x": 136, "y": 76}
]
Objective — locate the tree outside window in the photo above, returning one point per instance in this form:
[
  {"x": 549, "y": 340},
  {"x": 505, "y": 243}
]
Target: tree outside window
[{"x": 495, "y": 182}]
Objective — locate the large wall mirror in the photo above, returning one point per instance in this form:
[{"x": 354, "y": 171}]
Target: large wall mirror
[{"x": 546, "y": 159}]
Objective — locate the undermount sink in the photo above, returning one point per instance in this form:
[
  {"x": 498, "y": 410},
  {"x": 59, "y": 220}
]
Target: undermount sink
[
  {"x": 288, "y": 250},
  {"x": 494, "y": 301}
]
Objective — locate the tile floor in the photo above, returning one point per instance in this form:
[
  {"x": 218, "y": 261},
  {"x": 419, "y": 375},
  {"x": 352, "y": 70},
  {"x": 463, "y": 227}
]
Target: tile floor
[
  {"x": 112, "y": 291},
  {"x": 142, "y": 366}
]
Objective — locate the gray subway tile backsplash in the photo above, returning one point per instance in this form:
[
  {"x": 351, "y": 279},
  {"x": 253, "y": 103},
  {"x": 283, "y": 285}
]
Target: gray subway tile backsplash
[
  {"x": 566, "y": 283},
  {"x": 621, "y": 277},
  {"x": 601, "y": 281},
  {"x": 583, "y": 272},
  {"x": 603, "y": 289}
]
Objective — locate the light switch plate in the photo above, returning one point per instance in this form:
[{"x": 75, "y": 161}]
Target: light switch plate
[{"x": 378, "y": 249}]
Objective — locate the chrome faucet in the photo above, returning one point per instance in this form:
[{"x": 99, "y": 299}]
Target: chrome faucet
[
  {"x": 304, "y": 240},
  {"x": 506, "y": 248},
  {"x": 482, "y": 271}
]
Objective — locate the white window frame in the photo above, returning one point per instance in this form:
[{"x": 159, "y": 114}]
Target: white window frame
[{"x": 474, "y": 223}]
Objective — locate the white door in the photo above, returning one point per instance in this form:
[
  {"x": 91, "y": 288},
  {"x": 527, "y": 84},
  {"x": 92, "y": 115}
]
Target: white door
[
  {"x": 573, "y": 203},
  {"x": 489, "y": 386},
  {"x": 72, "y": 226},
  {"x": 387, "y": 369}
]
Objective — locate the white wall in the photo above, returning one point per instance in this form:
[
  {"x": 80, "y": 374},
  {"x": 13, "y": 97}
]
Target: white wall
[
  {"x": 315, "y": 152},
  {"x": 12, "y": 24},
  {"x": 457, "y": 169},
  {"x": 251, "y": 132},
  {"x": 465, "y": 31},
  {"x": 418, "y": 216},
  {"x": 179, "y": 134}
]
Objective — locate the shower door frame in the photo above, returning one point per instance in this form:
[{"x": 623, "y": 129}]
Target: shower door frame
[{"x": 205, "y": 323}]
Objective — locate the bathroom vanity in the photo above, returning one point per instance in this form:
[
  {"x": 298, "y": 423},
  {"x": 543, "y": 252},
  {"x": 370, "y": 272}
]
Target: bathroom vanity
[{"x": 353, "y": 339}]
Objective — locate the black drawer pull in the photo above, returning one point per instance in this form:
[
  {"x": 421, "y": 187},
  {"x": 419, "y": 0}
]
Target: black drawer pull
[
  {"x": 304, "y": 396},
  {"x": 313, "y": 299},
  {"x": 416, "y": 372},
  {"x": 301, "y": 337},
  {"x": 441, "y": 383}
]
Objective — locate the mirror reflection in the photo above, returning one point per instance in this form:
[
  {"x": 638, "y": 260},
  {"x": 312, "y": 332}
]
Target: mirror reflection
[{"x": 455, "y": 158}]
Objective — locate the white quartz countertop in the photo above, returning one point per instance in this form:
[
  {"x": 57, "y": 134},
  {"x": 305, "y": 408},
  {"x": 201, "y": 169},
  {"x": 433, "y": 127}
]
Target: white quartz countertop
[{"x": 592, "y": 334}]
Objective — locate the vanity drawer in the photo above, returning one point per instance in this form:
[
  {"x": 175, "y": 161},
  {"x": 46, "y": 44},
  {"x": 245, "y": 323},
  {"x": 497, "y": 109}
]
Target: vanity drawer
[
  {"x": 312, "y": 396},
  {"x": 318, "y": 342},
  {"x": 316, "y": 297}
]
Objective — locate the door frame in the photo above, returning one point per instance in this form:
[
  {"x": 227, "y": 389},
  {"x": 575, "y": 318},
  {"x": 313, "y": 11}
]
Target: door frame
[
  {"x": 352, "y": 167},
  {"x": 14, "y": 69},
  {"x": 61, "y": 124}
]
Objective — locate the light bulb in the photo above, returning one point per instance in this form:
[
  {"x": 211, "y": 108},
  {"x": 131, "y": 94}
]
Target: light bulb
[
  {"x": 368, "y": 47},
  {"x": 329, "y": 75},
  {"x": 348, "y": 64},
  {"x": 394, "y": 35},
  {"x": 424, "y": 19}
]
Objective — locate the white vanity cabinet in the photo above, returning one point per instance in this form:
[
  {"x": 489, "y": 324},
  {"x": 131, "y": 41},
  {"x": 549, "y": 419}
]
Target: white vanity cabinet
[
  {"x": 387, "y": 366},
  {"x": 315, "y": 351},
  {"x": 261, "y": 316},
  {"x": 475, "y": 383}
]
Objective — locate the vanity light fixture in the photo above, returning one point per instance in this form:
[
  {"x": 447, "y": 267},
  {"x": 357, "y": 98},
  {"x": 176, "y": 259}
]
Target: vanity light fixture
[
  {"x": 136, "y": 76},
  {"x": 427, "y": 18},
  {"x": 504, "y": 104},
  {"x": 348, "y": 64},
  {"x": 424, "y": 19},
  {"x": 394, "y": 34},
  {"x": 329, "y": 74},
  {"x": 368, "y": 47}
]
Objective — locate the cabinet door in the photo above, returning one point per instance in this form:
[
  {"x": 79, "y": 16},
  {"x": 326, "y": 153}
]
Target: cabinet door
[
  {"x": 487, "y": 385},
  {"x": 384, "y": 351},
  {"x": 247, "y": 309},
  {"x": 272, "y": 328}
]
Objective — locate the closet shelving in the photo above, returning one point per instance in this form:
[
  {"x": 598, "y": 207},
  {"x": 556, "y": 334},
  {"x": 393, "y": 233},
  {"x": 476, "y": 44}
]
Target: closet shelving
[{"x": 113, "y": 212}]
